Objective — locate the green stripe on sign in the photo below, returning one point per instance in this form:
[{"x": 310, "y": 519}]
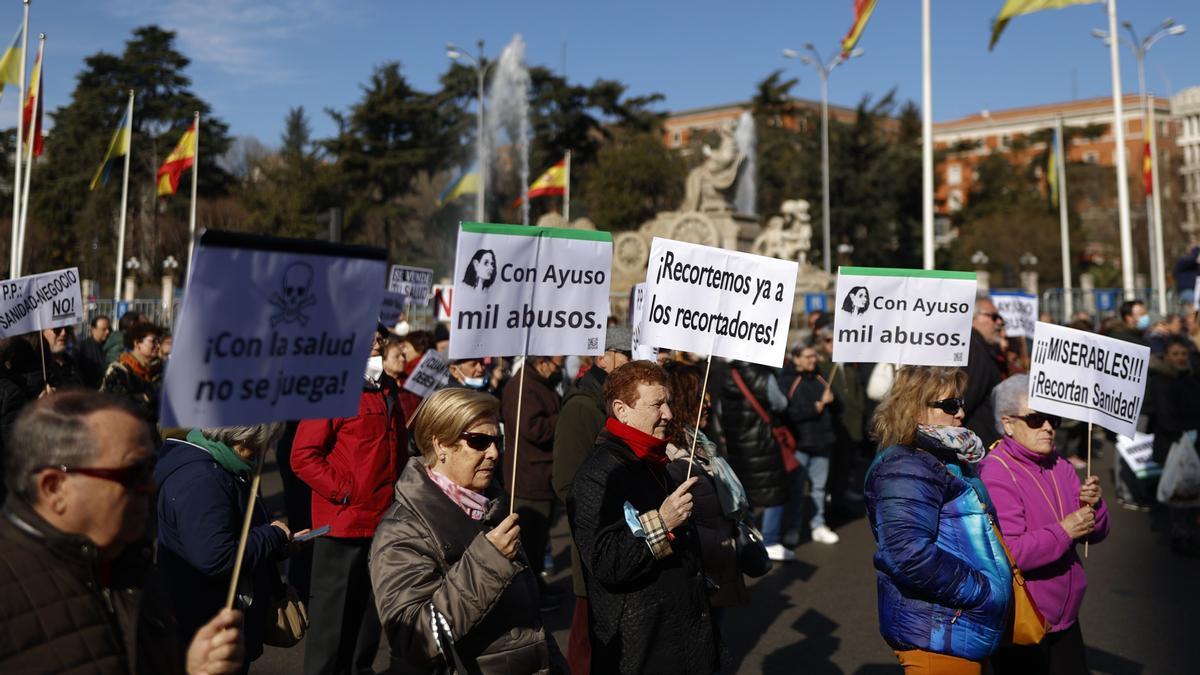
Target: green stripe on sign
[
  {"x": 898, "y": 272},
  {"x": 534, "y": 231}
]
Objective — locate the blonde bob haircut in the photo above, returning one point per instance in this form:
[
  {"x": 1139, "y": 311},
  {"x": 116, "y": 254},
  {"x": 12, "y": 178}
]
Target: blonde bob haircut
[
  {"x": 915, "y": 387},
  {"x": 446, "y": 414}
]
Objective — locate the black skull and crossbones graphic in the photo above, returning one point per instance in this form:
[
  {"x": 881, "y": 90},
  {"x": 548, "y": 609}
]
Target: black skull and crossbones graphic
[{"x": 297, "y": 295}]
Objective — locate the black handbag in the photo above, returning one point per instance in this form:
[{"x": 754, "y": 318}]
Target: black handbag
[
  {"x": 752, "y": 552},
  {"x": 444, "y": 637}
]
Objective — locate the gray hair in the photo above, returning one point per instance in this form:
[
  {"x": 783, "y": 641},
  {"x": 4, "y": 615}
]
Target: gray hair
[
  {"x": 259, "y": 437},
  {"x": 1009, "y": 398},
  {"x": 53, "y": 431}
]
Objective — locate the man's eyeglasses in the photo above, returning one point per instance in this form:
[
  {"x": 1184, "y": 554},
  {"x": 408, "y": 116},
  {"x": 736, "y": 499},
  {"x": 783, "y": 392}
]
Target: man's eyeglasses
[
  {"x": 1035, "y": 420},
  {"x": 950, "y": 406},
  {"x": 481, "y": 442},
  {"x": 132, "y": 477}
]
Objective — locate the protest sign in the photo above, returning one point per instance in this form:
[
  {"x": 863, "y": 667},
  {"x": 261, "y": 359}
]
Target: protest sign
[
  {"x": 717, "y": 302},
  {"x": 1138, "y": 454},
  {"x": 272, "y": 329},
  {"x": 431, "y": 372},
  {"x": 391, "y": 307},
  {"x": 40, "y": 301},
  {"x": 637, "y": 302},
  {"x": 1088, "y": 377},
  {"x": 413, "y": 283},
  {"x": 1020, "y": 312},
  {"x": 907, "y": 317},
  {"x": 529, "y": 290},
  {"x": 443, "y": 297}
]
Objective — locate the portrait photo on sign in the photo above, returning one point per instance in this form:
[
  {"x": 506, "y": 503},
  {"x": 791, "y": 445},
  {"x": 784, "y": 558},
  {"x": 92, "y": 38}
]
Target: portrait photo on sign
[
  {"x": 857, "y": 300},
  {"x": 481, "y": 270}
]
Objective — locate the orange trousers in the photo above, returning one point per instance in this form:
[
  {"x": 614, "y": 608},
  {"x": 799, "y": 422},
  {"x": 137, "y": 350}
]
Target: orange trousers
[{"x": 918, "y": 662}]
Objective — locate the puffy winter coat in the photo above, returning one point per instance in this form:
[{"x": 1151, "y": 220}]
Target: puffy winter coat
[
  {"x": 427, "y": 550},
  {"x": 943, "y": 579},
  {"x": 201, "y": 507},
  {"x": 352, "y": 463},
  {"x": 749, "y": 445},
  {"x": 56, "y": 617}
]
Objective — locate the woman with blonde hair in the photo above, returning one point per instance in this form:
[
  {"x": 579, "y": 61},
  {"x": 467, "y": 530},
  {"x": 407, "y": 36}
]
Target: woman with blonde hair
[
  {"x": 452, "y": 585},
  {"x": 943, "y": 578}
]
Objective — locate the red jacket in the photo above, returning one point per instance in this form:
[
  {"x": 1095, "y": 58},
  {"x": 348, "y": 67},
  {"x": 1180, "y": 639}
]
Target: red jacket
[{"x": 352, "y": 463}]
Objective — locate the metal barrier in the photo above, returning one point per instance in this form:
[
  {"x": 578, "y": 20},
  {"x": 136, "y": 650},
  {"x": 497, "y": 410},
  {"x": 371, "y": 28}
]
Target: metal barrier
[{"x": 1101, "y": 303}]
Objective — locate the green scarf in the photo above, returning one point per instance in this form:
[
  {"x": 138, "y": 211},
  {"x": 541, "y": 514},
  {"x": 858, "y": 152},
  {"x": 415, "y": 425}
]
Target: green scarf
[{"x": 224, "y": 454}]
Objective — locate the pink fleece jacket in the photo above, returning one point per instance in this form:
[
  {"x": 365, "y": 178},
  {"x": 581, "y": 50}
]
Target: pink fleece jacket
[{"x": 1029, "y": 519}]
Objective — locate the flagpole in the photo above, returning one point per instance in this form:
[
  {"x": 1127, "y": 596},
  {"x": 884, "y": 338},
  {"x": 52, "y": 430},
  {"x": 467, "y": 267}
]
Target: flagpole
[
  {"x": 195, "y": 174},
  {"x": 927, "y": 136},
  {"x": 567, "y": 191},
  {"x": 1122, "y": 170},
  {"x": 1161, "y": 282},
  {"x": 124, "y": 203},
  {"x": 1061, "y": 166},
  {"x": 12, "y": 254},
  {"x": 33, "y": 120}
]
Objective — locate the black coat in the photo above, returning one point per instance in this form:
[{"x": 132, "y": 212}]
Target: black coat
[
  {"x": 1172, "y": 405},
  {"x": 813, "y": 428},
  {"x": 645, "y": 614},
  {"x": 982, "y": 377},
  {"x": 749, "y": 445}
]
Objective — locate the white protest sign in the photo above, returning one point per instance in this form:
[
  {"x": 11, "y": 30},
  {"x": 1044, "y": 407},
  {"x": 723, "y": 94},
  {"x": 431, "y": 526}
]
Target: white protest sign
[
  {"x": 713, "y": 301},
  {"x": 414, "y": 283},
  {"x": 431, "y": 372},
  {"x": 1138, "y": 453},
  {"x": 40, "y": 301},
  {"x": 1020, "y": 312},
  {"x": 909, "y": 317},
  {"x": 1088, "y": 377},
  {"x": 272, "y": 329},
  {"x": 639, "y": 351},
  {"x": 529, "y": 290}
]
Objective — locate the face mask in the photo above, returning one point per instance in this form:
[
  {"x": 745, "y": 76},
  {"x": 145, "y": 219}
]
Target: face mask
[
  {"x": 474, "y": 382},
  {"x": 555, "y": 378},
  {"x": 1143, "y": 322},
  {"x": 374, "y": 368}
]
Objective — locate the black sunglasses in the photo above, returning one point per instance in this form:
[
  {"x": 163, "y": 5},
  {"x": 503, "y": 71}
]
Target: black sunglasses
[
  {"x": 481, "y": 442},
  {"x": 995, "y": 316},
  {"x": 139, "y": 476},
  {"x": 950, "y": 406},
  {"x": 1035, "y": 420}
]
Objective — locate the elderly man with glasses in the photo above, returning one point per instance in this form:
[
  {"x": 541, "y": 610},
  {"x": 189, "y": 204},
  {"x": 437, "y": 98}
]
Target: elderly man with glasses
[
  {"x": 77, "y": 589},
  {"x": 983, "y": 372}
]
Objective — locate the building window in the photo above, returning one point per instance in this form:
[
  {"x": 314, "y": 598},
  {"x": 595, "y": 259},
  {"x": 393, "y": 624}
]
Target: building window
[
  {"x": 954, "y": 202},
  {"x": 954, "y": 174},
  {"x": 1091, "y": 157},
  {"x": 676, "y": 139},
  {"x": 1005, "y": 140}
]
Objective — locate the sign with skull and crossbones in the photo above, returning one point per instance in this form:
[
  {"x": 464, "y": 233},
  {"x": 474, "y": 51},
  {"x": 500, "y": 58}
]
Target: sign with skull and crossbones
[{"x": 297, "y": 295}]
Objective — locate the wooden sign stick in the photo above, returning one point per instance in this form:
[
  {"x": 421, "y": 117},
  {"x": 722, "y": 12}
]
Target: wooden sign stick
[
  {"x": 1089, "y": 472},
  {"x": 699, "y": 414},
  {"x": 241, "y": 549}
]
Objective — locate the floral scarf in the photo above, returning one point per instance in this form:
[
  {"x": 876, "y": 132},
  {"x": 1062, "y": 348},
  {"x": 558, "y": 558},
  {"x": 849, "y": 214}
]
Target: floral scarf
[
  {"x": 471, "y": 502},
  {"x": 960, "y": 440}
]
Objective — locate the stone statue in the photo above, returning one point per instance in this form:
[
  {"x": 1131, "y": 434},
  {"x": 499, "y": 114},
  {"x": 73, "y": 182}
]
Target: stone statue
[
  {"x": 707, "y": 182},
  {"x": 787, "y": 236}
]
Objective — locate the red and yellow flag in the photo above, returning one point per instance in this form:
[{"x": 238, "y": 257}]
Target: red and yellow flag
[
  {"x": 33, "y": 119},
  {"x": 1013, "y": 8},
  {"x": 862, "y": 13},
  {"x": 553, "y": 183},
  {"x": 1148, "y": 170},
  {"x": 182, "y": 158}
]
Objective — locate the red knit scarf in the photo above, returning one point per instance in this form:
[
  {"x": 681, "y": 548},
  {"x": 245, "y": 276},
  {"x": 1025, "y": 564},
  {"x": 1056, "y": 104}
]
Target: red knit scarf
[
  {"x": 139, "y": 371},
  {"x": 647, "y": 448}
]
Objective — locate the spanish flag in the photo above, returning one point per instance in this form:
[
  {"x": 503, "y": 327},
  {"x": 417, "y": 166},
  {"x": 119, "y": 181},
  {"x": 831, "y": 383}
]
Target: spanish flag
[
  {"x": 553, "y": 183},
  {"x": 1148, "y": 170},
  {"x": 862, "y": 14},
  {"x": 182, "y": 158},
  {"x": 33, "y": 119},
  {"x": 467, "y": 183},
  {"x": 10, "y": 63},
  {"x": 1013, "y": 8},
  {"x": 117, "y": 147}
]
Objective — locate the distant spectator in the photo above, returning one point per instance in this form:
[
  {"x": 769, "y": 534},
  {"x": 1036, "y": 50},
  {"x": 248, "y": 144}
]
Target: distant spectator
[
  {"x": 1186, "y": 269},
  {"x": 1173, "y": 408},
  {"x": 983, "y": 374},
  {"x": 58, "y": 366},
  {"x": 136, "y": 375},
  {"x": 115, "y": 345},
  {"x": 412, "y": 347},
  {"x": 90, "y": 354},
  {"x": 1133, "y": 323}
]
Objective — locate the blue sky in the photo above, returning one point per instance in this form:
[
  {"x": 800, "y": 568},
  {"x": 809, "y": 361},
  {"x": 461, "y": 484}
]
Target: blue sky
[{"x": 254, "y": 59}]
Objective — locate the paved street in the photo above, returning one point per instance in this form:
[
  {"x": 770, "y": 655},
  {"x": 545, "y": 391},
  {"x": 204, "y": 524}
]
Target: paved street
[{"x": 818, "y": 616}]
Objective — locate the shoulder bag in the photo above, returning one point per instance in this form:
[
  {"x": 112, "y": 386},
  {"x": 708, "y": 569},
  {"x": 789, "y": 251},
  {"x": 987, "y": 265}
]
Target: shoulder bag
[
  {"x": 783, "y": 436},
  {"x": 1028, "y": 626},
  {"x": 286, "y": 620}
]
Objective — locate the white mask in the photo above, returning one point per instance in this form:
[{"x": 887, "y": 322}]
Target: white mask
[{"x": 474, "y": 382}]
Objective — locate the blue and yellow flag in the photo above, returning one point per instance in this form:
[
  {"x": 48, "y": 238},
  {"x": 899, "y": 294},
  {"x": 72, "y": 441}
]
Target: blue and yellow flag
[
  {"x": 10, "y": 63},
  {"x": 467, "y": 183},
  {"x": 118, "y": 147},
  {"x": 1052, "y": 169}
]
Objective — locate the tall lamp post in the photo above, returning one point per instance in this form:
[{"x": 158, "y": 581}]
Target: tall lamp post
[
  {"x": 823, "y": 68},
  {"x": 1153, "y": 210},
  {"x": 481, "y": 68}
]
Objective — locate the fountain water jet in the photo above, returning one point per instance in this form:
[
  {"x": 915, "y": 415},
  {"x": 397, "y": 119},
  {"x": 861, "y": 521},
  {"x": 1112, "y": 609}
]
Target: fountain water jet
[
  {"x": 745, "y": 201},
  {"x": 508, "y": 109}
]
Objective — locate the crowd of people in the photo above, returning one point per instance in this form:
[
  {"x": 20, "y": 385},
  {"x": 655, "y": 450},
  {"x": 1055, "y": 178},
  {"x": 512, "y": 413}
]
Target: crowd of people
[{"x": 433, "y": 514}]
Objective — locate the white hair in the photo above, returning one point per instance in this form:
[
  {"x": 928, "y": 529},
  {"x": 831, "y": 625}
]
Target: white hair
[{"x": 1009, "y": 398}]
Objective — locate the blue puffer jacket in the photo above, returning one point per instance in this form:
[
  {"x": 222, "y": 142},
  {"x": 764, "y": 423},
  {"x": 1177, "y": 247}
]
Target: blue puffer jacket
[{"x": 943, "y": 579}]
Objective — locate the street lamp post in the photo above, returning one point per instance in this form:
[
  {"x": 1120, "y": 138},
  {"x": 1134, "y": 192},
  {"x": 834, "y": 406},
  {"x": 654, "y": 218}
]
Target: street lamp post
[
  {"x": 982, "y": 278},
  {"x": 823, "y": 68},
  {"x": 1153, "y": 211},
  {"x": 480, "y": 67}
]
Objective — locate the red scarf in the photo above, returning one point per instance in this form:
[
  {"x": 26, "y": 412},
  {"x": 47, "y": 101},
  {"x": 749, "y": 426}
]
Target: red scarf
[
  {"x": 647, "y": 448},
  {"x": 139, "y": 371}
]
